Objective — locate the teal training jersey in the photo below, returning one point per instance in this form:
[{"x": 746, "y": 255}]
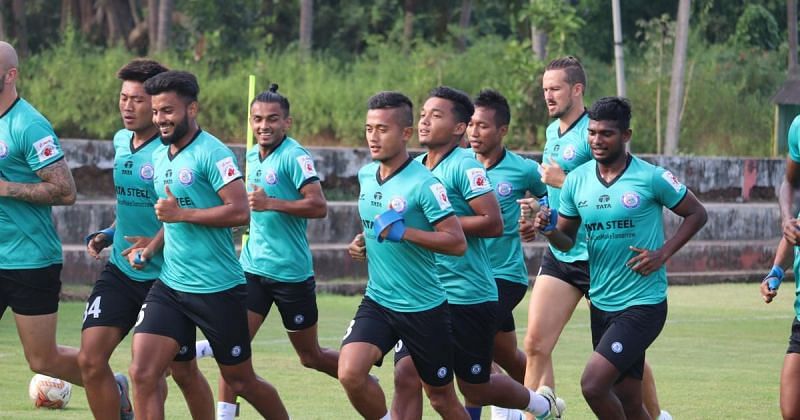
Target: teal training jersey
[
  {"x": 402, "y": 275},
  {"x": 512, "y": 177},
  {"x": 27, "y": 144},
  {"x": 570, "y": 150},
  {"x": 467, "y": 279},
  {"x": 133, "y": 183},
  {"x": 277, "y": 247},
  {"x": 198, "y": 258},
  {"x": 626, "y": 212},
  {"x": 794, "y": 154}
]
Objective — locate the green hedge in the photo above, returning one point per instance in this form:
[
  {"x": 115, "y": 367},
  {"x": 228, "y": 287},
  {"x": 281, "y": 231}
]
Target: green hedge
[{"x": 728, "y": 110}]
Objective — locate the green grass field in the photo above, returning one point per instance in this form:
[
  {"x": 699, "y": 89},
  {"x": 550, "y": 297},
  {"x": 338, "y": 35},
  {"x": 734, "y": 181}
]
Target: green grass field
[{"x": 719, "y": 357}]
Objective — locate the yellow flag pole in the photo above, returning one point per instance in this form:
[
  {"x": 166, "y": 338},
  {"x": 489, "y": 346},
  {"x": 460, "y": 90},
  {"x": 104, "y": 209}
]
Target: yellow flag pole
[{"x": 251, "y": 94}]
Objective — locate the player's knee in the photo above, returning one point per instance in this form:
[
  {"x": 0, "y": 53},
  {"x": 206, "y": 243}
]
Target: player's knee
[
  {"x": 535, "y": 346},
  {"x": 90, "y": 363},
  {"x": 142, "y": 374},
  {"x": 441, "y": 400},
  {"x": 592, "y": 389},
  {"x": 41, "y": 362},
  {"x": 309, "y": 359},
  {"x": 406, "y": 381},
  {"x": 351, "y": 379}
]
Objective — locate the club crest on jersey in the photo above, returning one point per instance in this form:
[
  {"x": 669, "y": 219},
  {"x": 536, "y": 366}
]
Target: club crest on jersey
[
  {"x": 271, "y": 177},
  {"x": 146, "y": 172},
  {"x": 186, "y": 176},
  {"x": 227, "y": 169},
  {"x": 504, "y": 189},
  {"x": 631, "y": 200},
  {"x": 477, "y": 179},
  {"x": 3, "y": 149},
  {"x": 45, "y": 148},
  {"x": 569, "y": 153},
  {"x": 399, "y": 204},
  {"x": 441, "y": 196},
  {"x": 672, "y": 180},
  {"x": 307, "y": 165}
]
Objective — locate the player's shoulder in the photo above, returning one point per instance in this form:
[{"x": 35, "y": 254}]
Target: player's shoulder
[
  {"x": 22, "y": 115},
  {"x": 369, "y": 169},
  {"x": 552, "y": 129},
  {"x": 122, "y": 136},
  {"x": 464, "y": 159}
]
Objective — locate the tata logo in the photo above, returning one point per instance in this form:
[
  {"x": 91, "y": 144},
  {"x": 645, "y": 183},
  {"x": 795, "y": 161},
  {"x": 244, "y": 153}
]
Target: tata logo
[
  {"x": 603, "y": 202},
  {"x": 127, "y": 168},
  {"x": 377, "y": 196}
]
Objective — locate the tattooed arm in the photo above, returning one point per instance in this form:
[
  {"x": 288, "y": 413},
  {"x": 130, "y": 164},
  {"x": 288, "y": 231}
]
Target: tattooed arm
[{"x": 56, "y": 189}]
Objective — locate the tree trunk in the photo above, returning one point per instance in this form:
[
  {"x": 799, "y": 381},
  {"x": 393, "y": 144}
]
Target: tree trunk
[
  {"x": 538, "y": 42},
  {"x": 164, "y": 24},
  {"x": 791, "y": 18},
  {"x": 119, "y": 20},
  {"x": 678, "y": 73},
  {"x": 3, "y": 32},
  {"x": 152, "y": 24},
  {"x": 70, "y": 14},
  {"x": 20, "y": 27},
  {"x": 619, "y": 56},
  {"x": 87, "y": 16},
  {"x": 409, "y": 7},
  {"x": 463, "y": 24},
  {"x": 306, "y": 25}
]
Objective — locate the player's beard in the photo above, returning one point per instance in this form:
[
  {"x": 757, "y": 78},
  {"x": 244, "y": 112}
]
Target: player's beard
[{"x": 180, "y": 130}]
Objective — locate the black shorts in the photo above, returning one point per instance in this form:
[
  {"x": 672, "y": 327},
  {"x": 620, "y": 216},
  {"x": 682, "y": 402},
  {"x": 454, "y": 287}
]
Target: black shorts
[
  {"x": 794, "y": 338},
  {"x": 221, "y": 316},
  {"x": 623, "y": 337},
  {"x": 30, "y": 291},
  {"x": 115, "y": 300},
  {"x": 297, "y": 302},
  {"x": 428, "y": 335},
  {"x": 509, "y": 295},
  {"x": 474, "y": 328},
  {"x": 575, "y": 273}
]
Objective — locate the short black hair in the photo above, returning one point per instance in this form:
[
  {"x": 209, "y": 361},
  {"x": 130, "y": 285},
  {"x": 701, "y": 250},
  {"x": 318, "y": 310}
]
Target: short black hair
[
  {"x": 394, "y": 100},
  {"x": 572, "y": 67},
  {"x": 462, "y": 105},
  {"x": 271, "y": 95},
  {"x": 139, "y": 70},
  {"x": 181, "y": 82},
  {"x": 612, "y": 108},
  {"x": 492, "y": 99}
]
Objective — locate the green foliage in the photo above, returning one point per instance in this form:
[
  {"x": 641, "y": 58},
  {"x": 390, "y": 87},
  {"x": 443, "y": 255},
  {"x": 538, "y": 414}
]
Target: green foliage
[{"x": 756, "y": 28}]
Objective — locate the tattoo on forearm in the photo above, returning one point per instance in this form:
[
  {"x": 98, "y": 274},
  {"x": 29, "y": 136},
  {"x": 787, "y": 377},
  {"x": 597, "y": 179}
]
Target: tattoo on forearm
[{"x": 57, "y": 186}]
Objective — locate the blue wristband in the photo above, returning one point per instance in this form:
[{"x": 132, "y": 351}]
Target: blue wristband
[
  {"x": 544, "y": 202},
  {"x": 139, "y": 258},
  {"x": 774, "y": 278},
  {"x": 394, "y": 221},
  {"x": 109, "y": 232}
]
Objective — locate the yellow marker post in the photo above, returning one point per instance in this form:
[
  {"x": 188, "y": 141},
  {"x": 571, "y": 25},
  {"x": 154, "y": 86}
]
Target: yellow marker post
[{"x": 251, "y": 94}]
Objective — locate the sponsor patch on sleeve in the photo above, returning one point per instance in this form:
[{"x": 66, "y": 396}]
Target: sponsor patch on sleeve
[
  {"x": 672, "y": 180},
  {"x": 307, "y": 165},
  {"x": 441, "y": 196},
  {"x": 45, "y": 148},
  {"x": 478, "y": 180},
  {"x": 228, "y": 169}
]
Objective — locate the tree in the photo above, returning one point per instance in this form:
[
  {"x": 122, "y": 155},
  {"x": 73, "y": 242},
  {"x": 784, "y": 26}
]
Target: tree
[
  {"x": 152, "y": 24},
  {"x": 20, "y": 26},
  {"x": 306, "y": 25},
  {"x": 165, "y": 8},
  {"x": 409, "y": 7},
  {"x": 678, "y": 74},
  {"x": 463, "y": 24}
]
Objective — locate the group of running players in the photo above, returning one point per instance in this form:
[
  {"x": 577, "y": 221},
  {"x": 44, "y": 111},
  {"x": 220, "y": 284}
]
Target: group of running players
[{"x": 441, "y": 238}]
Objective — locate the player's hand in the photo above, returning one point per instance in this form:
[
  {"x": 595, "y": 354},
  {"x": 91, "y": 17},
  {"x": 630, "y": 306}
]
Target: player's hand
[
  {"x": 358, "y": 248},
  {"x": 96, "y": 244},
  {"x": 138, "y": 244},
  {"x": 542, "y": 219},
  {"x": 258, "y": 199},
  {"x": 646, "y": 261},
  {"x": 528, "y": 207},
  {"x": 791, "y": 231},
  {"x": 767, "y": 293},
  {"x": 167, "y": 209},
  {"x": 526, "y": 230},
  {"x": 552, "y": 174}
]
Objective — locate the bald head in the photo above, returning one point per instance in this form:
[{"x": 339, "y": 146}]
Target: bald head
[{"x": 8, "y": 56}]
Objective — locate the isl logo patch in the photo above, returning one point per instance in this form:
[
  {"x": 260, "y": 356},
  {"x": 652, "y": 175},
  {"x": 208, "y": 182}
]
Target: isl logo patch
[
  {"x": 3, "y": 150},
  {"x": 631, "y": 200},
  {"x": 186, "y": 176},
  {"x": 146, "y": 172},
  {"x": 504, "y": 189}
]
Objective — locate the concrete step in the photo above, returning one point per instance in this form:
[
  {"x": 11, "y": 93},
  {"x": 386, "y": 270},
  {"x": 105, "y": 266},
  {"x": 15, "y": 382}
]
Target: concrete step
[
  {"x": 697, "y": 262},
  {"x": 725, "y": 179},
  {"x": 726, "y": 221}
]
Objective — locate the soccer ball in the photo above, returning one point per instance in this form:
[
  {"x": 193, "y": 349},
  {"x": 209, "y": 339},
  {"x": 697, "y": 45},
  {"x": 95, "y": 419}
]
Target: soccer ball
[{"x": 49, "y": 392}]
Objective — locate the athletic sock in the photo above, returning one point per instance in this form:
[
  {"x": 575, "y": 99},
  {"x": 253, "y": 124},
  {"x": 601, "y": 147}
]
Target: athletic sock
[
  {"x": 226, "y": 411},
  {"x": 537, "y": 404},
  {"x": 202, "y": 349},
  {"x": 474, "y": 413}
]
